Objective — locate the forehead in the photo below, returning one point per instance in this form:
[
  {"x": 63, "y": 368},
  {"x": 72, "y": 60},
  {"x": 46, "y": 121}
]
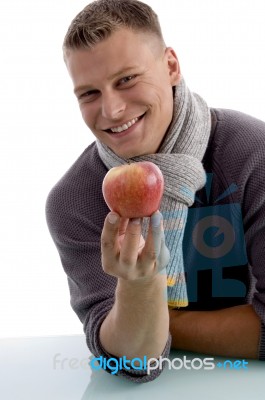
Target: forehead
[{"x": 122, "y": 50}]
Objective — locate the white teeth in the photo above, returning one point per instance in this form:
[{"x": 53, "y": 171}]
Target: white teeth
[{"x": 124, "y": 127}]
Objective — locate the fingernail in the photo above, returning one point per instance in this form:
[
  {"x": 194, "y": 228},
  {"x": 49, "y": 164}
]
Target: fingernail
[
  {"x": 112, "y": 218},
  {"x": 156, "y": 219},
  {"x": 136, "y": 221}
]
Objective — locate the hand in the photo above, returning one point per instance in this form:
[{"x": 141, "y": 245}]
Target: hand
[{"x": 125, "y": 253}]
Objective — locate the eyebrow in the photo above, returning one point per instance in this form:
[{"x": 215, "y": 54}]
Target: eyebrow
[{"x": 115, "y": 75}]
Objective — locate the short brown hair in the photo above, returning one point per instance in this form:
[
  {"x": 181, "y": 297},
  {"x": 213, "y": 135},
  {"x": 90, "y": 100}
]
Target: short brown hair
[{"x": 99, "y": 19}]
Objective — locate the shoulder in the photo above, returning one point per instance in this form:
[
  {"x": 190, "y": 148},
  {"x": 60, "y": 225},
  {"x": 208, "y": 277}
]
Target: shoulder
[
  {"x": 237, "y": 143},
  {"x": 87, "y": 168},
  {"x": 236, "y": 151},
  {"x": 237, "y": 133}
]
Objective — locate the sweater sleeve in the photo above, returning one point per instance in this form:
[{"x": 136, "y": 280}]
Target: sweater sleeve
[
  {"x": 254, "y": 224},
  {"x": 92, "y": 291},
  {"x": 242, "y": 156}
]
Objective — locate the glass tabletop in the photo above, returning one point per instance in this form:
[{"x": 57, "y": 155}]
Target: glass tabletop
[{"x": 57, "y": 367}]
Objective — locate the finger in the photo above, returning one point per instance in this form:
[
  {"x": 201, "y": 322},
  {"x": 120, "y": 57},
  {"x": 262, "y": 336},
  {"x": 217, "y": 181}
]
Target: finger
[
  {"x": 164, "y": 255},
  {"x": 153, "y": 241},
  {"x": 123, "y": 226},
  {"x": 155, "y": 249},
  {"x": 130, "y": 246},
  {"x": 109, "y": 241}
]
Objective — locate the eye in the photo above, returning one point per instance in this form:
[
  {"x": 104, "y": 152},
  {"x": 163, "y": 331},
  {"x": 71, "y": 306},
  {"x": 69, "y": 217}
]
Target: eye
[
  {"x": 89, "y": 95},
  {"x": 127, "y": 79}
]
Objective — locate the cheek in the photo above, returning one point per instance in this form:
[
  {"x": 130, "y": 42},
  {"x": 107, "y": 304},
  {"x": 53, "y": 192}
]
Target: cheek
[
  {"x": 136, "y": 95},
  {"x": 163, "y": 99},
  {"x": 167, "y": 99}
]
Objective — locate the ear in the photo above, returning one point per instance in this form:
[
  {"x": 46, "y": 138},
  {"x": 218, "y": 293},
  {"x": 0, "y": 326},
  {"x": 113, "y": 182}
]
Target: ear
[{"x": 173, "y": 66}]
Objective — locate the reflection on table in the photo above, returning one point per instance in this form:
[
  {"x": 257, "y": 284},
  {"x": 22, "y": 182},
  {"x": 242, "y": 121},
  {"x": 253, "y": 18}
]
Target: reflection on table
[{"x": 57, "y": 367}]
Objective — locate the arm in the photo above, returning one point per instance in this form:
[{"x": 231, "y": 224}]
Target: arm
[
  {"x": 230, "y": 332},
  {"x": 93, "y": 291},
  {"x": 138, "y": 323}
]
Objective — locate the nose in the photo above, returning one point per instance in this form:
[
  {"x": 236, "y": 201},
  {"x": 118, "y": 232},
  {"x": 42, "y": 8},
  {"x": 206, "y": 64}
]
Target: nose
[{"x": 113, "y": 105}]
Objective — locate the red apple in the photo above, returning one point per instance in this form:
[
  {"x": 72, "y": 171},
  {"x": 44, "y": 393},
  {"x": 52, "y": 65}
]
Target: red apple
[{"x": 134, "y": 190}]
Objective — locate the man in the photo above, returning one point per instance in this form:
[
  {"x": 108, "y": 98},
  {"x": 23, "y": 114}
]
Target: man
[{"x": 130, "y": 280}]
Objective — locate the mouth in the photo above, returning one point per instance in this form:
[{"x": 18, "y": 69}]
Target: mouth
[{"x": 125, "y": 126}]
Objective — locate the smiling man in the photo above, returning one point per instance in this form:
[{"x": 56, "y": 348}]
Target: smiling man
[
  {"x": 141, "y": 287},
  {"x": 124, "y": 99}
]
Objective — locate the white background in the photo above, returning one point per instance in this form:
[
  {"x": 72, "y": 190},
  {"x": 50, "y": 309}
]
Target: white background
[{"x": 220, "y": 46}]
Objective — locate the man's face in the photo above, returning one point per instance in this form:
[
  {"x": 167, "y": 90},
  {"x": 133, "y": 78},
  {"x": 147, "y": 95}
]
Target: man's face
[{"x": 124, "y": 88}]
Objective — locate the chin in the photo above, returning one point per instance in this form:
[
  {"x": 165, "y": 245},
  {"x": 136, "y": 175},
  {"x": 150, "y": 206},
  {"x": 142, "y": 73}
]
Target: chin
[{"x": 127, "y": 153}]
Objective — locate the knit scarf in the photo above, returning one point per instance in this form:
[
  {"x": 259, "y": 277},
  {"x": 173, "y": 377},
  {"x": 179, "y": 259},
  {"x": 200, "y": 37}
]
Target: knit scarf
[{"x": 179, "y": 158}]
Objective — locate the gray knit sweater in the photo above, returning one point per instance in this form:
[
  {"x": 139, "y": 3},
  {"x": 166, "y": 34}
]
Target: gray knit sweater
[{"x": 234, "y": 198}]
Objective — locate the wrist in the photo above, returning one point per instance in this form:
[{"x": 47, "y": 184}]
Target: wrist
[{"x": 147, "y": 286}]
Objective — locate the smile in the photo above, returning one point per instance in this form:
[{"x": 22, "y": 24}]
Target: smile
[{"x": 124, "y": 127}]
